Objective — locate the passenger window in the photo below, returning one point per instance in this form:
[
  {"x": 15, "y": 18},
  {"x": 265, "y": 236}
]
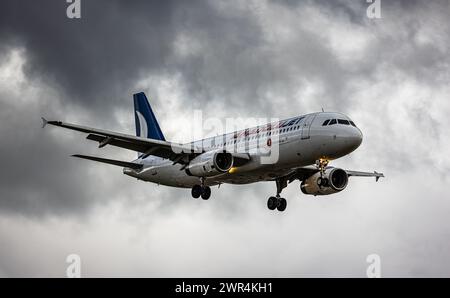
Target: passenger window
[
  {"x": 342, "y": 121},
  {"x": 332, "y": 121},
  {"x": 326, "y": 122}
]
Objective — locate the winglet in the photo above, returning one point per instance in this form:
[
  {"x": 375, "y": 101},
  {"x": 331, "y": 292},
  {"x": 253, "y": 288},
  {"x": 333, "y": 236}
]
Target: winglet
[
  {"x": 378, "y": 175},
  {"x": 44, "y": 122}
]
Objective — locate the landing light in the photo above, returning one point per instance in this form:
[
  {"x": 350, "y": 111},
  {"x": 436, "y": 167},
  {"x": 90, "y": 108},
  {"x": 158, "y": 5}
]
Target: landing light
[{"x": 232, "y": 170}]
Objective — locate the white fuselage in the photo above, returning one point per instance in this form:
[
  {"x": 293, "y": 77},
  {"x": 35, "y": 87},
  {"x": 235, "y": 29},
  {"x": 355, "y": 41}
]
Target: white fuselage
[{"x": 301, "y": 141}]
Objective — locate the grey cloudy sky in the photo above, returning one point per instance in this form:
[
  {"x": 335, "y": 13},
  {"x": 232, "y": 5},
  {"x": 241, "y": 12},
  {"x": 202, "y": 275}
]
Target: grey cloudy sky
[{"x": 229, "y": 59}]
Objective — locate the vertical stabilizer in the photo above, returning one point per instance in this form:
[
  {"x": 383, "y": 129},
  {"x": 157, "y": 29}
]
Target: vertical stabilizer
[{"x": 146, "y": 124}]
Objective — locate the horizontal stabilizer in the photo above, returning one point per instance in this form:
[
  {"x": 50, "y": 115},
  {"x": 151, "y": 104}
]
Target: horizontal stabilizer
[{"x": 119, "y": 163}]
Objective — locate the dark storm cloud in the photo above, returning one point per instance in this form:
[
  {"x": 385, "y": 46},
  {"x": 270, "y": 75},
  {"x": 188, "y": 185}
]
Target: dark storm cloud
[
  {"x": 239, "y": 65},
  {"x": 92, "y": 63},
  {"x": 95, "y": 58}
]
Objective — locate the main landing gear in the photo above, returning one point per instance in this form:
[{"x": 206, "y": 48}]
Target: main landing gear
[
  {"x": 201, "y": 190},
  {"x": 277, "y": 202}
]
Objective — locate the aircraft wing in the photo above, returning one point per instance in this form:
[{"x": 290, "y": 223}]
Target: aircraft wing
[
  {"x": 365, "y": 174},
  {"x": 175, "y": 152},
  {"x": 178, "y": 153},
  {"x": 304, "y": 173}
]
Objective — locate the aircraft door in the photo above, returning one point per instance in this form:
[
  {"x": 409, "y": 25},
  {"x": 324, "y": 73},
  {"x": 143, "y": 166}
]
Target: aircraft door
[{"x": 306, "y": 127}]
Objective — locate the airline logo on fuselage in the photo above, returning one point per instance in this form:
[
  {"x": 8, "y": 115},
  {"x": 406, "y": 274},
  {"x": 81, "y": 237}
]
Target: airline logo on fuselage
[{"x": 269, "y": 127}]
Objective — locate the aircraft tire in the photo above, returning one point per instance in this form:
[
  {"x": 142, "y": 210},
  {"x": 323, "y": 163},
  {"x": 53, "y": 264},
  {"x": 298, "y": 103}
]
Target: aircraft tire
[
  {"x": 282, "y": 204},
  {"x": 272, "y": 203},
  {"x": 206, "y": 192},
  {"x": 196, "y": 191}
]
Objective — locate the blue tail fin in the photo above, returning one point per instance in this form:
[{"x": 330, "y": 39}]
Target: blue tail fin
[{"x": 146, "y": 124}]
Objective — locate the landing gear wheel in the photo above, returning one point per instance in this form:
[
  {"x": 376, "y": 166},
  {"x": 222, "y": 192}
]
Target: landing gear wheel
[
  {"x": 196, "y": 191},
  {"x": 276, "y": 202},
  {"x": 272, "y": 203},
  {"x": 282, "y": 204},
  {"x": 206, "y": 192}
]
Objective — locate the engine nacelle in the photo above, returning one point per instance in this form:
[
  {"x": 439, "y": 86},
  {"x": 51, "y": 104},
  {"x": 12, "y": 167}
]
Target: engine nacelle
[
  {"x": 210, "y": 164},
  {"x": 334, "y": 180}
]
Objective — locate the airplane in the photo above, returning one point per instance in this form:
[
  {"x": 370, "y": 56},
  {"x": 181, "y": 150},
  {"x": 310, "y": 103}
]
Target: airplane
[{"x": 306, "y": 144}]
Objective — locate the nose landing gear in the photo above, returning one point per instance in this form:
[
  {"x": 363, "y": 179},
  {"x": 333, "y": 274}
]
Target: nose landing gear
[{"x": 321, "y": 164}]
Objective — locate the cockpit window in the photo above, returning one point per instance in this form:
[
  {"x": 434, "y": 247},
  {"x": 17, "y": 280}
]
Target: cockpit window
[{"x": 338, "y": 121}]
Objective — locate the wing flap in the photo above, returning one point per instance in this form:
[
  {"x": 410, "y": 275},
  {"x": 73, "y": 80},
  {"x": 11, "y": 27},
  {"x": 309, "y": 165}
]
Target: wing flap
[{"x": 118, "y": 143}]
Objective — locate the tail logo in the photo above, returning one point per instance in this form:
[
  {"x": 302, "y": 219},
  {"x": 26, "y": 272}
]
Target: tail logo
[{"x": 143, "y": 133}]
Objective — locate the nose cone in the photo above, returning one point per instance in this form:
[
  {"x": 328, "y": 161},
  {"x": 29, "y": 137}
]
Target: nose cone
[{"x": 354, "y": 139}]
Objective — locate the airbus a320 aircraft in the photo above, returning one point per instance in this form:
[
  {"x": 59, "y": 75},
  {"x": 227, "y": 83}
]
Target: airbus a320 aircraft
[{"x": 305, "y": 146}]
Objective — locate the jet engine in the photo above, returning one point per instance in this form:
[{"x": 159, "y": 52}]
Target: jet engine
[
  {"x": 332, "y": 181},
  {"x": 210, "y": 164}
]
